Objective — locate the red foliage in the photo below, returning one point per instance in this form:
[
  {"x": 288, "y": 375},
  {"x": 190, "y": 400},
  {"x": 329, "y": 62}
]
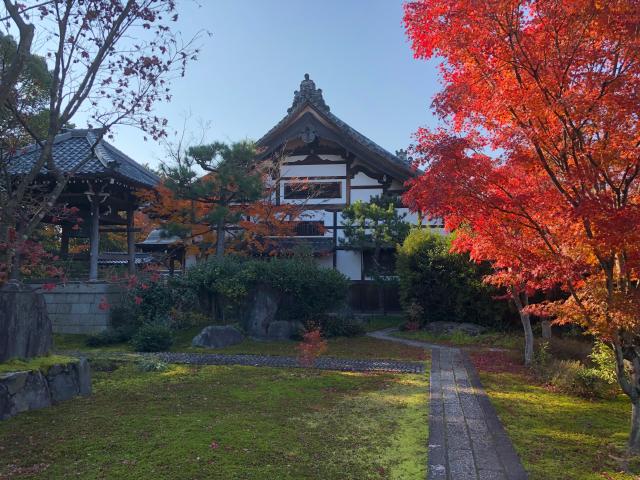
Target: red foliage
[
  {"x": 311, "y": 347},
  {"x": 103, "y": 305},
  {"x": 538, "y": 168},
  {"x": 412, "y": 326},
  {"x": 497, "y": 362}
]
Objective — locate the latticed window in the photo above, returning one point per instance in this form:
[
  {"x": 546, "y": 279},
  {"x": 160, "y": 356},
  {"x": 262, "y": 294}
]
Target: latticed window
[
  {"x": 309, "y": 229},
  {"x": 305, "y": 190}
]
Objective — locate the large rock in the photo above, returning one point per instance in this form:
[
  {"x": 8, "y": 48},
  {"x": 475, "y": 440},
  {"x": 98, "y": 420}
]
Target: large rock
[
  {"x": 33, "y": 389},
  {"x": 217, "y": 337},
  {"x": 260, "y": 310},
  {"x": 281, "y": 330},
  {"x": 25, "y": 328},
  {"x": 34, "y": 393},
  {"x": 447, "y": 328},
  {"x": 84, "y": 377}
]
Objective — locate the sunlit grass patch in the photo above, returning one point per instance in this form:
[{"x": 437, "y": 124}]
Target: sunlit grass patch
[
  {"x": 558, "y": 436},
  {"x": 38, "y": 363},
  {"x": 227, "y": 423},
  {"x": 509, "y": 340}
]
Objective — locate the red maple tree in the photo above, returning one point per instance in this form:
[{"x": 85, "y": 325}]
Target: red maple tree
[{"x": 539, "y": 160}]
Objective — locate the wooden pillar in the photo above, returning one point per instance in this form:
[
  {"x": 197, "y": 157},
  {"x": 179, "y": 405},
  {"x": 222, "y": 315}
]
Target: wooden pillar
[
  {"x": 335, "y": 239},
  {"x": 94, "y": 238},
  {"x": 131, "y": 241},
  {"x": 64, "y": 242},
  {"x": 172, "y": 259}
]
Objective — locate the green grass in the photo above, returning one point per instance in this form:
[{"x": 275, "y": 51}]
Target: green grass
[
  {"x": 266, "y": 424},
  {"x": 38, "y": 363},
  {"x": 379, "y": 322},
  {"x": 561, "y": 437},
  {"x": 358, "y": 347},
  {"x": 506, "y": 340}
]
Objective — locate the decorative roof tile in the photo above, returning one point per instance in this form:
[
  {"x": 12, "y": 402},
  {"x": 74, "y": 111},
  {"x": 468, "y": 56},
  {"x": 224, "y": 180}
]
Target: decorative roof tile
[{"x": 73, "y": 147}]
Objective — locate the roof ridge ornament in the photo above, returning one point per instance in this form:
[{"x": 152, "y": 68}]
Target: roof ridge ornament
[{"x": 308, "y": 93}]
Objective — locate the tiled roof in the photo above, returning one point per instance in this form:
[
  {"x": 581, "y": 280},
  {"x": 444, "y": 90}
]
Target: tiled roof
[
  {"x": 310, "y": 95},
  {"x": 73, "y": 147},
  {"x": 122, "y": 258}
]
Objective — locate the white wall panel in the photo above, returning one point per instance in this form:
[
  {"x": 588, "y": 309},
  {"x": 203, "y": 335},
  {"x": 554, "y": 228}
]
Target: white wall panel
[
  {"x": 332, "y": 158},
  {"x": 338, "y": 170},
  {"x": 349, "y": 263},
  {"x": 364, "y": 194},
  {"x": 362, "y": 179}
]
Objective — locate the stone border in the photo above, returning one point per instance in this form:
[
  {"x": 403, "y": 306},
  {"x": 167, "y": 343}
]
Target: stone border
[{"x": 21, "y": 391}]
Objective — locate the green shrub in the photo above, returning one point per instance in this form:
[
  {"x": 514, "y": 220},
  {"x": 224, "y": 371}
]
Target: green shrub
[
  {"x": 109, "y": 336},
  {"x": 152, "y": 338},
  {"x": 152, "y": 364},
  {"x": 437, "y": 285},
  {"x": 179, "y": 320},
  {"x": 338, "y": 326},
  {"x": 575, "y": 378},
  {"x": 125, "y": 319},
  {"x": 604, "y": 360},
  {"x": 306, "y": 288}
]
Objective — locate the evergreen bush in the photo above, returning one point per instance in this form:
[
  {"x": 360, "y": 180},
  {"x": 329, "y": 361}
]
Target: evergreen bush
[
  {"x": 152, "y": 338},
  {"x": 438, "y": 285}
]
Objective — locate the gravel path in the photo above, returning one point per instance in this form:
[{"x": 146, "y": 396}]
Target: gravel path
[
  {"x": 466, "y": 439},
  {"x": 322, "y": 363}
]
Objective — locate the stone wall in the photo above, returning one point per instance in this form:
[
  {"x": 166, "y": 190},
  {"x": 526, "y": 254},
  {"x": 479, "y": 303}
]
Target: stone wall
[
  {"x": 75, "y": 306},
  {"x": 25, "y": 327},
  {"x": 33, "y": 389}
]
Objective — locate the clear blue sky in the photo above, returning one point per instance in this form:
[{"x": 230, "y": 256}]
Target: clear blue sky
[{"x": 259, "y": 51}]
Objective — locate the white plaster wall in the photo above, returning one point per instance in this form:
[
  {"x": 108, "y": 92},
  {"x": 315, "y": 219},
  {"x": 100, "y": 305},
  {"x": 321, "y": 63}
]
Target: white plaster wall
[
  {"x": 361, "y": 179},
  {"x": 332, "y": 158},
  {"x": 337, "y": 170},
  {"x": 364, "y": 194},
  {"x": 412, "y": 217},
  {"x": 349, "y": 263}
]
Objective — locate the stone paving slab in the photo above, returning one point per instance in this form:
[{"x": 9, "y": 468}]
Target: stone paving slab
[{"x": 466, "y": 439}]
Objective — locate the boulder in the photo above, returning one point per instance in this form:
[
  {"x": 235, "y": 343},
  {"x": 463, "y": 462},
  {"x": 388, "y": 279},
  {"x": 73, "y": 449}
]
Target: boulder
[
  {"x": 215, "y": 336},
  {"x": 447, "y": 328},
  {"x": 281, "y": 330},
  {"x": 84, "y": 377},
  {"x": 33, "y": 389},
  {"x": 25, "y": 328},
  {"x": 63, "y": 382},
  {"x": 260, "y": 310},
  {"x": 34, "y": 393}
]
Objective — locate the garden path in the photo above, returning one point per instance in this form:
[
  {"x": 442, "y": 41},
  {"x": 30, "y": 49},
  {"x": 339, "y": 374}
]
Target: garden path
[
  {"x": 466, "y": 439},
  {"x": 322, "y": 363}
]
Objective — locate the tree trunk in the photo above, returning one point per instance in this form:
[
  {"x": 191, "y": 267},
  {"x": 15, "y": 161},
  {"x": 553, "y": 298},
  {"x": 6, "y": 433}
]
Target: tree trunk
[
  {"x": 220, "y": 239},
  {"x": 629, "y": 381},
  {"x": 521, "y": 300},
  {"x": 634, "y": 435},
  {"x": 546, "y": 329}
]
